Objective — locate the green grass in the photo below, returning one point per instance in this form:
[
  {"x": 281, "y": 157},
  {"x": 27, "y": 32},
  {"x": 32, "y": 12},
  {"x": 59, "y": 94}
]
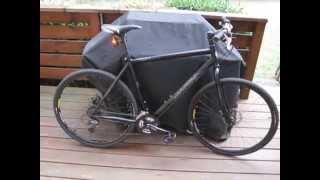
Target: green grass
[
  {"x": 267, "y": 65},
  {"x": 137, "y": 4},
  {"x": 197, "y": 5},
  {"x": 204, "y": 5}
]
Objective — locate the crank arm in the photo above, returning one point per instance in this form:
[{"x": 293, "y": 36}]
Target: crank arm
[{"x": 156, "y": 128}]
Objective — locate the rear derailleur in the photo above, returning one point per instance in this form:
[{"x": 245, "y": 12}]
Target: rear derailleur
[
  {"x": 147, "y": 124},
  {"x": 92, "y": 110}
]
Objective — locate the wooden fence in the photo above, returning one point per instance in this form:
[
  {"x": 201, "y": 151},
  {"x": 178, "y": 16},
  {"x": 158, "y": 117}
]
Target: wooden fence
[{"x": 64, "y": 33}]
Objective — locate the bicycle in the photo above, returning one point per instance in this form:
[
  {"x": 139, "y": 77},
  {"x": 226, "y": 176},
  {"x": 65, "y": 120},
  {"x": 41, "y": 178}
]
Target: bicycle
[{"x": 113, "y": 112}]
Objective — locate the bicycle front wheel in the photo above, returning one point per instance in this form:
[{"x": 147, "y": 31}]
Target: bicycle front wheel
[
  {"x": 76, "y": 106},
  {"x": 243, "y": 126}
]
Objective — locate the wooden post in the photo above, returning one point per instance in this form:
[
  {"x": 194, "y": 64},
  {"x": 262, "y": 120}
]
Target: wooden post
[{"x": 252, "y": 57}]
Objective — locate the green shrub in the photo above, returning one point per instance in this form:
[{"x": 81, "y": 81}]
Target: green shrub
[
  {"x": 138, "y": 4},
  {"x": 204, "y": 5}
]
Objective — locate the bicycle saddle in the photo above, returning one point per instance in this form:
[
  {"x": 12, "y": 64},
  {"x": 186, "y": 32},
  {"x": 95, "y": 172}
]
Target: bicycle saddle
[{"x": 119, "y": 29}]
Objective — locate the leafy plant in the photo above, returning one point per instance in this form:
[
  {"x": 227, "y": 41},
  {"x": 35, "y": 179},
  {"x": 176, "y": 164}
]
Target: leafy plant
[
  {"x": 204, "y": 5},
  {"x": 71, "y": 24},
  {"x": 138, "y": 4}
]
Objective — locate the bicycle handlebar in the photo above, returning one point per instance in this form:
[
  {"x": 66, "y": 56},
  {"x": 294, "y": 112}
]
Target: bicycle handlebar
[
  {"x": 225, "y": 30},
  {"x": 225, "y": 20}
]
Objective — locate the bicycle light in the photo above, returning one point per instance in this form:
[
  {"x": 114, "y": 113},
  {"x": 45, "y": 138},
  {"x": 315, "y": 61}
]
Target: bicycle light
[{"x": 115, "y": 41}]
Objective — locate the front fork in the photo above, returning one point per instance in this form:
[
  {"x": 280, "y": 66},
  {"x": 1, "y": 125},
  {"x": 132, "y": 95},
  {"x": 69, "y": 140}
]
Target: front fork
[
  {"x": 222, "y": 101},
  {"x": 221, "y": 96}
]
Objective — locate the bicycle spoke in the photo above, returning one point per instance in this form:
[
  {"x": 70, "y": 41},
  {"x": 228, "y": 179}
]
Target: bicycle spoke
[
  {"x": 78, "y": 107},
  {"x": 207, "y": 107},
  {"x": 211, "y": 102}
]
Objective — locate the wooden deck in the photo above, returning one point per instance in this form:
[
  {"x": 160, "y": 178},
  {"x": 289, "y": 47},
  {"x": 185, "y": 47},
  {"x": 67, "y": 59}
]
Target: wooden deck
[{"x": 144, "y": 157}]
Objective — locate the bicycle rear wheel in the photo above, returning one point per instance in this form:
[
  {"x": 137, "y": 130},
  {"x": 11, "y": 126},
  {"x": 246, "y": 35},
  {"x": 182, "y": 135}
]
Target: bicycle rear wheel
[
  {"x": 245, "y": 127},
  {"x": 76, "y": 107}
]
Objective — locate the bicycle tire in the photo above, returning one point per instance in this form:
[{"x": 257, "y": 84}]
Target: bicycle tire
[
  {"x": 106, "y": 76},
  {"x": 253, "y": 87}
]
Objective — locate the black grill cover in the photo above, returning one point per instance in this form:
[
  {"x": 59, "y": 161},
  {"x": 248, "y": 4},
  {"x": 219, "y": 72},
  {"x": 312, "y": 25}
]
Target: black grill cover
[
  {"x": 99, "y": 53},
  {"x": 162, "y": 33}
]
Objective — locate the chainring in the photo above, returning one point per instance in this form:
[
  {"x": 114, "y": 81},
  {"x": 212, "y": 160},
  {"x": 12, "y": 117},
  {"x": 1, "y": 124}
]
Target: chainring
[{"x": 142, "y": 121}]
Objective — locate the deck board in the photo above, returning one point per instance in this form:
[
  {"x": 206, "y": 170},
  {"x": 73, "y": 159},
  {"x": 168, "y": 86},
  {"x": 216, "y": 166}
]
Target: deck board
[
  {"x": 159, "y": 163},
  {"x": 103, "y": 173},
  {"x": 181, "y": 140},
  {"x": 142, "y": 157},
  {"x": 155, "y": 150}
]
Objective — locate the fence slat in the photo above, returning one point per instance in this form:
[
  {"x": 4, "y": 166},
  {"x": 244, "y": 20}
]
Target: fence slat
[
  {"x": 55, "y": 73},
  {"x": 60, "y": 60},
  {"x": 110, "y": 17},
  {"x": 241, "y": 42},
  {"x": 61, "y": 46},
  {"x": 61, "y": 25}
]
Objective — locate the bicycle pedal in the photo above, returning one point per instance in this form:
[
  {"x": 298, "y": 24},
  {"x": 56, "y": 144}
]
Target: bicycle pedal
[
  {"x": 167, "y": 139},
  {"x": 91, "y": 129}
]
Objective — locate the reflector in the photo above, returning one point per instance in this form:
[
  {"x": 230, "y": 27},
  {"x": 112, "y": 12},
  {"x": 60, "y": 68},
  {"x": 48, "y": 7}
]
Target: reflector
[{"x": 115, "y": 41}]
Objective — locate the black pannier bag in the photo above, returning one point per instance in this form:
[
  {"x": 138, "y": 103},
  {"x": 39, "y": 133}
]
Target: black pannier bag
[
  {"x": 215, "y": 126},
  {"x": 162, "y": 33}
]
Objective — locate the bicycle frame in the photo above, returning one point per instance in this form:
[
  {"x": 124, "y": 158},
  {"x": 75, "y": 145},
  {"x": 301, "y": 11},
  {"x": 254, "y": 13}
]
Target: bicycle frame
[
  {"x": 194, "y": 78},
  {"x": 187, "y": 84}
]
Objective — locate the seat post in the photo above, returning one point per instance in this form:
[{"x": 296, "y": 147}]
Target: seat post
[{"x": 123, "y": 39}]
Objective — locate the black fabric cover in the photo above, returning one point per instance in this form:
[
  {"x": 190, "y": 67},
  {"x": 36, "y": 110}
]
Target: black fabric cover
[
  {"x": 162, "y": 33},
  {"x": 99, "y": 53}
]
